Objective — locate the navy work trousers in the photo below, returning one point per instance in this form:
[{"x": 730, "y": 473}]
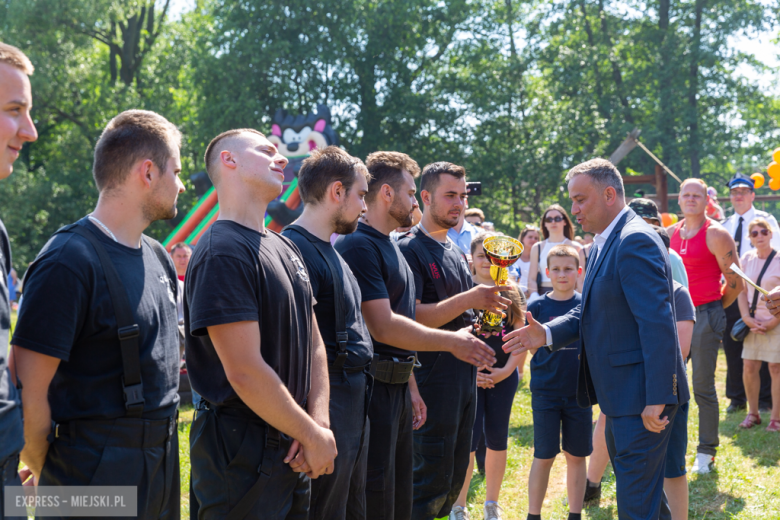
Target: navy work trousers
[
  {"x": 120, "y": 452},
  {"x": 341, "y": 495},
  {"x": 389, "y": 473},
  {"x": 227, "y": 450},
  {"x": 442, "y": 445}
]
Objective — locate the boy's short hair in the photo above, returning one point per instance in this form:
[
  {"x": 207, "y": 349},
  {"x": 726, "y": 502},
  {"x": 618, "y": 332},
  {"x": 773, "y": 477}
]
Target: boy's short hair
[
  {"x": 12, "y": 56},
  {"x": 563, "y": 251},
  {"x": 387, "y": 168},
  {"x": 324, "y": 167},
  {"x": 129, "y": 137},
  {"x": 474, "y": 212}
]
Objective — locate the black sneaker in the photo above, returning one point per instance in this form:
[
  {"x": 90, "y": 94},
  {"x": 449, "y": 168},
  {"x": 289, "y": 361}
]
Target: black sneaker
[
  {"x": 736, "y": 407},
  {"x": 592, "y": 493}
]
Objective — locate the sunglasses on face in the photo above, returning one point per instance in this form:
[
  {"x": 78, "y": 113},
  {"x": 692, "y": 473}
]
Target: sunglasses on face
[
  {"x": 550, "y": 220},
  {"x": 755, "y": 232}
]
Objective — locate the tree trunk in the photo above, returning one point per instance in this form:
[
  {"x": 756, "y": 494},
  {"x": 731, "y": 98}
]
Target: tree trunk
[
  {"x": 666, "y": 122},
  {"x": 693, "y": 126},
  {"x": 617, "y": 76}
]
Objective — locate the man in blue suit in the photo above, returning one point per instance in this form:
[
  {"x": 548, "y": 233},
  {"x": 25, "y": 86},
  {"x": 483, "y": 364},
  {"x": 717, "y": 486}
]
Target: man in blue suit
[{"x": 630, "y": 362}]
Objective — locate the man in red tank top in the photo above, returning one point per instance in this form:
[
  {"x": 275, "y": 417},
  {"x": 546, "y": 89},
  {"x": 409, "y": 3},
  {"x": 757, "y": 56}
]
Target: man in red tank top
[{"x": 707, "y": 250}]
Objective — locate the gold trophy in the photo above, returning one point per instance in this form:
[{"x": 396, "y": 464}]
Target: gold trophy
[{"x": 502, "y": 252}]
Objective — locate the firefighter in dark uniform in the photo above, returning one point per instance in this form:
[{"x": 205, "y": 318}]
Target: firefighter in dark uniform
[
  {"x": 253, "y": 349},
  {"x": 446, "y": 297},
  {"x": 333, "y": 185},
  {"x": 388, "y": 293},
  {"x": 96, "y": 343}
]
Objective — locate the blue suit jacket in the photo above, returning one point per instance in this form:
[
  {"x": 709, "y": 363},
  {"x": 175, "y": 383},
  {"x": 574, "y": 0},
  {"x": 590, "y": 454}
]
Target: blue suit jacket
[{"x": 628, "y": 334}]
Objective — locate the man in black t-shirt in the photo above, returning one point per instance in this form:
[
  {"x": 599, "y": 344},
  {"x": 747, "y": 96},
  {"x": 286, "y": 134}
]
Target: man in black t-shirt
[
  {"x": 253, "y": 349},
  {"x": 333, "y": 185},
  {"x": 70, "y": 355},
  {"x": 16, "y": 128},
  {"x": 388, "y": 304},
  {"x": 447, "y": 384}
]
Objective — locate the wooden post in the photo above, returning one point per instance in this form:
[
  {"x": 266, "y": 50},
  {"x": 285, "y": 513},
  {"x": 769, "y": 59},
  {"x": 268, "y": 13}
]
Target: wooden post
[{"x": 661, "y": 191}]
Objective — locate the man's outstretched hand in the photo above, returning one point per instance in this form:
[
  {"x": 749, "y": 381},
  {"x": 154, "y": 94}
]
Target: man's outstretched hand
[{"x": 532, "y": 336}]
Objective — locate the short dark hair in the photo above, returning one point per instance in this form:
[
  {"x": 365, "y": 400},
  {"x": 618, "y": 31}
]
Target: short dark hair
[
  {"x": 387, "y": 168},
  {"x": 129, "y": 137},
  {"x": 432, "y": 172},
  {"x": 210, "y": 156},
  {"x": 324, "y": 167},
  {"x": 664, "y": 236},
  {"x": 181, "y": 245}
]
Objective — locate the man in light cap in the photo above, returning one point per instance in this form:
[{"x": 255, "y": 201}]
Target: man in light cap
[
  {"x": 742, "y": 194},
  {"x": 647, "y": 209}
]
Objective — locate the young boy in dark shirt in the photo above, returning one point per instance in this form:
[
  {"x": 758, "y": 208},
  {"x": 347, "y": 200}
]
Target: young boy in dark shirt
[{"x": 554, "y": 390}]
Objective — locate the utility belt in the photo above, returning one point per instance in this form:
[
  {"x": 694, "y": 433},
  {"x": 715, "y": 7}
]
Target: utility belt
[
  {"x": 122, "y": 432},
  {"x": 392, "y": 370}
]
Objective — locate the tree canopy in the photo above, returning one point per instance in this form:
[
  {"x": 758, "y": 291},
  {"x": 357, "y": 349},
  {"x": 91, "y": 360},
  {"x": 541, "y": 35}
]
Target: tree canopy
[{"x": 517, "y": 91}]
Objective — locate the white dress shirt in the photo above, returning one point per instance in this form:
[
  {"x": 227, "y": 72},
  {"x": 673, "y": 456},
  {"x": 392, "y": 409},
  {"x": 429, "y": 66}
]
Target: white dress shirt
[
  {"x": 598, "y": 242},
  {"x": 732, "y": 223}
]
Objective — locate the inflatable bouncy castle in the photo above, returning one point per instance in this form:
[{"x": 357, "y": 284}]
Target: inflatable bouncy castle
[{"x": 295, "y": 137}]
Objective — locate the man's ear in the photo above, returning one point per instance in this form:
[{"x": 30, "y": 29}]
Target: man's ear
[
  {"x": 227, "y": 159},
  {"x": 146, "y": 170},
  {"x": 425, "y": 196},
  {"x": 387, "y": 192},
  {"x": 337, "y": 191}
]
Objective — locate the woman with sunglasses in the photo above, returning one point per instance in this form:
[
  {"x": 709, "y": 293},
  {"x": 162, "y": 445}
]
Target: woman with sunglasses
[
  {"x": 557, "y": 229},
  {"x": 763, "y": 341}
]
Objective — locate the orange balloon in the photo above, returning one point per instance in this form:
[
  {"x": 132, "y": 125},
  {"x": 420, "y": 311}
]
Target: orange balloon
[
  {"x": 774, "y": 184},
  {"x": 773, "y": 170},
  {"x": 776, "y": 155},
  {"x": 758, "y": 180},
  {"x": 666, "y": 219}
]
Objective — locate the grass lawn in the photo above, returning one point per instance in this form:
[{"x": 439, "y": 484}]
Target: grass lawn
[{"x": 746, "y": 484}]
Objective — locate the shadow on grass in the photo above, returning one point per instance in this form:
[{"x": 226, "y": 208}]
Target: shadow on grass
[
  {"x": 757, "y": 444},
  {"x": 522, "y": 435},
  {"x": 704, "y": 497}
]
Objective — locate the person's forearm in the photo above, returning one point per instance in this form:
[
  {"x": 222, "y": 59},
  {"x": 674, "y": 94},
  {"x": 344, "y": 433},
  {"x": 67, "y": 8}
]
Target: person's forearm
[
  {"x": 401, "y": 332},
  {"x": 435, "y": 315},
  {"x": 731, "y": 292},
  {"x": 37, "y": 426},
  {"x": 744, "y": 309},
  {"x": 319, "y": 395},
  {"x": 260, "y": 388}
]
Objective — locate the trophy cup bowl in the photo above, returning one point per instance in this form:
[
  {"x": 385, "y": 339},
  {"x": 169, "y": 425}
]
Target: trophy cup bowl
[{"x": 502, "y": 252}]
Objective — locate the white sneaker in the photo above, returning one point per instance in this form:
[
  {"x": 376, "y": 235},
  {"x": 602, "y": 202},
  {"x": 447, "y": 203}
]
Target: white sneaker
[
  {"x": 492, "y": 511},
  {"x": 703, "y": 464},
  {"x": 459, "y": 513}
]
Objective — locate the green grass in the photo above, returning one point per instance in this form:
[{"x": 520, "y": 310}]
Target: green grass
[{"x": 746, "y": 484}]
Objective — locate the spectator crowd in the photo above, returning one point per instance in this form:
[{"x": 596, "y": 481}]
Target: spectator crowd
[{"x": 349, "y": 378}]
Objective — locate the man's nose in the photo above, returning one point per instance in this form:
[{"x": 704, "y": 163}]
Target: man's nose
[
  {"x": 281, "y": 160},
  {"x": 182, "y": 189},
  {"x": 27, "y": 130}
]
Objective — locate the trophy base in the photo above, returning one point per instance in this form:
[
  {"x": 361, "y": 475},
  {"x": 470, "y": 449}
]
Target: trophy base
[{"x": 491, "y": 323}]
